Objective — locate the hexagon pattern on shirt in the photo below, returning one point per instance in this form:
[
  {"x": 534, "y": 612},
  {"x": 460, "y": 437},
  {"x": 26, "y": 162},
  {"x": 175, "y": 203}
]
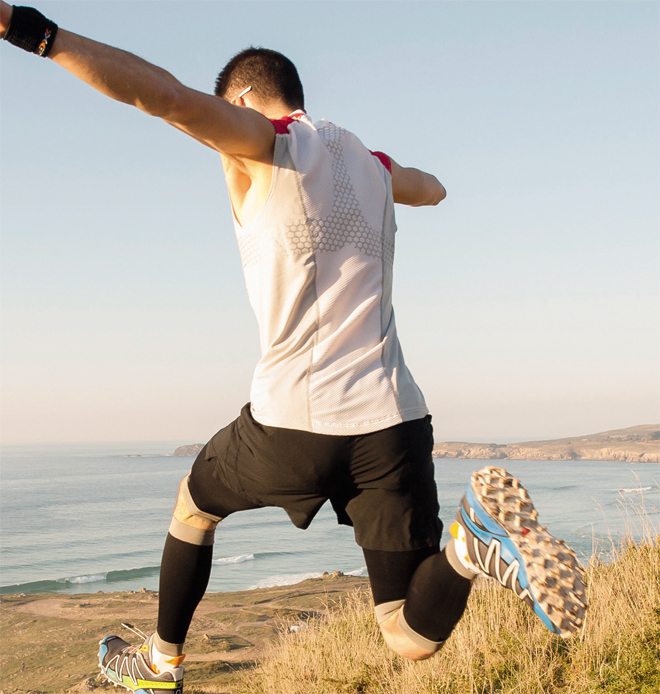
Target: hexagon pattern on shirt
[{"x": 344, "y": 225}]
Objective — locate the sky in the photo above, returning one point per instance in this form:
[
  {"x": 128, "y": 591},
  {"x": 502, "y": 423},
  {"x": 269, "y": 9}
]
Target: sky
[{"x": 527, "y": 302}]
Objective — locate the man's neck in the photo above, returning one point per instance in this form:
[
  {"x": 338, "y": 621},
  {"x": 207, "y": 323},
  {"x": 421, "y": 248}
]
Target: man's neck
[{"x": 275, "y": 110}]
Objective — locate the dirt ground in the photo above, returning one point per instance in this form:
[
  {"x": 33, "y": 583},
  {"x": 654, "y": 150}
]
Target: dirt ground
[{"x": 49, "y": 641}]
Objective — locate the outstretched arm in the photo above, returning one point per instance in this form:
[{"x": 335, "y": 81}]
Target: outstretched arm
[
  {"x": 127, "y": 78},
  {"x": 414, "y": 187}
]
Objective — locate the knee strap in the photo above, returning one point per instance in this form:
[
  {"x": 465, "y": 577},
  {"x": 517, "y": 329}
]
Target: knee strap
[
  {"x": 386, "y": 609},
  {"x": 189, "y": 523},
  {"x": 418, "y": 639}
]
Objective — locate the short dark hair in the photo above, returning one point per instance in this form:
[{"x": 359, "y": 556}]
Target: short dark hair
[{"x": 270, "y": 74}]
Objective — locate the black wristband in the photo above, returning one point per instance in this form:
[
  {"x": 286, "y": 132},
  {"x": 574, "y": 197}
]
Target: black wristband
[{"x": 31, "y": 31}]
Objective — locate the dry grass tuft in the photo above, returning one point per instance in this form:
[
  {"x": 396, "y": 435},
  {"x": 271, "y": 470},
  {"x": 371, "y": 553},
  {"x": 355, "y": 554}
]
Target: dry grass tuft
[{"x": 499, "y": 646}]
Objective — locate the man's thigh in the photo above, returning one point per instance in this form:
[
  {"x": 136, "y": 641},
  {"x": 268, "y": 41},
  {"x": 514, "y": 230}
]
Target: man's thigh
[
  {"x": 248, "y": 465},
  {"x": 394, "y": 506}
]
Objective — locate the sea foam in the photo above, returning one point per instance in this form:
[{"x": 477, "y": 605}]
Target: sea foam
[
  {"x": 239, "y": 559},
  {"x": 362, "y": 571},
  {"x": 89, "y": 578},
  {"x": 292, "y": 579},
  {"x": 284, "y": 580}
]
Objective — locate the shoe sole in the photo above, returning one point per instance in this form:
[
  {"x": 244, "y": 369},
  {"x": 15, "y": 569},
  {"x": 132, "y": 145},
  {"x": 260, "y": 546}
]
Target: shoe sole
[{"x": 555, "y": 578}]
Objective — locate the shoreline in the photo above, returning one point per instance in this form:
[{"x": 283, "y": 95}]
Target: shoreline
[
  {"x": 458, "y": 450},
  {"x": 638, "y": 444}
]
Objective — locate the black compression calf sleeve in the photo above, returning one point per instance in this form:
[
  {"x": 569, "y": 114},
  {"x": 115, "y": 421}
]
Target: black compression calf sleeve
[
  {"x": 436, "y": 598},
  {"x": 390, "y": 572},
  {"x": 184, "y": 575}
]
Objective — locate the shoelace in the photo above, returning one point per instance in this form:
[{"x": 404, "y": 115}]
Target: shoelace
[{"x": 135, "y": 630}]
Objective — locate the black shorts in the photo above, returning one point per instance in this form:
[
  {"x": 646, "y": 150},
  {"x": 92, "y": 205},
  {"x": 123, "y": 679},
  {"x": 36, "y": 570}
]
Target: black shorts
[{"x": 381, "y": 483}]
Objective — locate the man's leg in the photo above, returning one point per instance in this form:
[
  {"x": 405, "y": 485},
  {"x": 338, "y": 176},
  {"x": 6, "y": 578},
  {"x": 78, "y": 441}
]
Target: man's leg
[
  {"x": 184, "y": 575},
  {"x": 418, "y": 598},
  {"x": 394, "y": 510},
  {"x": 184, "y": 572},
  {"x": 186, "y": 563}
]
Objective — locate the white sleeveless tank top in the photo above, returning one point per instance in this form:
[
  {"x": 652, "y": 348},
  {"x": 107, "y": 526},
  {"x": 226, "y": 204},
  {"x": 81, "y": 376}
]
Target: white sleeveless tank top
[{"x": 318, "y": 262}]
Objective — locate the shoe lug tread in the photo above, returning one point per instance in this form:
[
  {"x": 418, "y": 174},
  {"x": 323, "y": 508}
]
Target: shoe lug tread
[{"x": 553, "y": 571}]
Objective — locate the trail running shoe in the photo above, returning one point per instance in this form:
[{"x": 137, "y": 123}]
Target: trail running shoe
[
  {"x": 497, "y": 533},
  {"x": 130, "y": 666}
]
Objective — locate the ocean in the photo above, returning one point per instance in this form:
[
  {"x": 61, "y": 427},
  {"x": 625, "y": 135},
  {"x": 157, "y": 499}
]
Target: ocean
[{"x": 85, "y": 518}]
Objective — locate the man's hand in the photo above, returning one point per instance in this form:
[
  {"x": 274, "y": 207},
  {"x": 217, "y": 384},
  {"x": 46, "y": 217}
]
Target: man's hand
[{"x": 5, "y": 17}]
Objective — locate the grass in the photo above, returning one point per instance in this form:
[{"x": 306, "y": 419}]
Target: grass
[{"x": 498, "y": 647}]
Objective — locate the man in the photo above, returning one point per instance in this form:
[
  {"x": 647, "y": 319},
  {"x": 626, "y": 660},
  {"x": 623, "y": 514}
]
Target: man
[{"x": 334, "y": 413}]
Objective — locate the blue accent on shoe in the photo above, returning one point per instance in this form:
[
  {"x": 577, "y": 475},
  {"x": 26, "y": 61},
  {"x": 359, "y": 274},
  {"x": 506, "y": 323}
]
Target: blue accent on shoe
[
  {"x": 538, "y": 610},
  {"x": 508, "y": 551},
  {"x": 103, "y": 648},
  {"x": 492, "y": 529},
  {"x": 484, "y": 517}
]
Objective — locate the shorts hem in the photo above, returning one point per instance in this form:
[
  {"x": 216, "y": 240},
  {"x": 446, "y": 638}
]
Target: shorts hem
[{"x": 399, "y": 547}]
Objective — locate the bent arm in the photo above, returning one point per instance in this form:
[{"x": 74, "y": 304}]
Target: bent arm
[
  {"x": 411, "y": 186},
  {"x": 125, "y": 77}
]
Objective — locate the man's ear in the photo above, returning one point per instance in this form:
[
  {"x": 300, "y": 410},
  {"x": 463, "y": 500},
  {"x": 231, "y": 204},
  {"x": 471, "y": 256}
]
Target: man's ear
[{"x": 239, "y": 99}]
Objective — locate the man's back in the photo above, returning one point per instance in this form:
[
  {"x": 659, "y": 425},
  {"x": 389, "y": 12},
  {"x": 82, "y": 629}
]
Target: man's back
[{"x": 317, "y": 258}]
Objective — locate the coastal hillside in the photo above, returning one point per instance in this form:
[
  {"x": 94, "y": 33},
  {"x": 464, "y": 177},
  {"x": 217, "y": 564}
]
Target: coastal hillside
[
  {"x": 638, "y": 444},
  {"x": 320, "y": 637},
  {"x": 499, "y": 646}
]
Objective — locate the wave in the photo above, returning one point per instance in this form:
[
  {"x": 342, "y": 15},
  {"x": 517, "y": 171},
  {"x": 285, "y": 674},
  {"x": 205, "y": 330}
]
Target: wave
[
  {"x": 292, "y": 579},
  {"x": 634, "y": 490},
  {"x": 284, "y": 580},
  {"x": 239, "y": 559},
  {"x": 128, "y": 574},
  {"x": 53, "y": 585},
  {"x": 109, "y": 577},
  {"x": 362, "y": 571},
  {"x": 91, "y": 578}
]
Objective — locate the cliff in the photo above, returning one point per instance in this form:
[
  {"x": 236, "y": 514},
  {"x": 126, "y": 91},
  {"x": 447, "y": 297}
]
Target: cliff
[
  {"x": 638, "y": 444},
  {"x": 192, "y": 449}
]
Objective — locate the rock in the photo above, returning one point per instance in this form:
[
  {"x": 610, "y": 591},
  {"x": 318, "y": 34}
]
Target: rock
[
  {"x": 190, "y": 450},
  {"x": 295, "y": 628},
  {"x": 90, "y": 684}
]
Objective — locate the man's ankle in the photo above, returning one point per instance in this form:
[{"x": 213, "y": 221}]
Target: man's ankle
[
  {"x": 165, "y": 655},
  {"x": 457, "y": 555}
]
